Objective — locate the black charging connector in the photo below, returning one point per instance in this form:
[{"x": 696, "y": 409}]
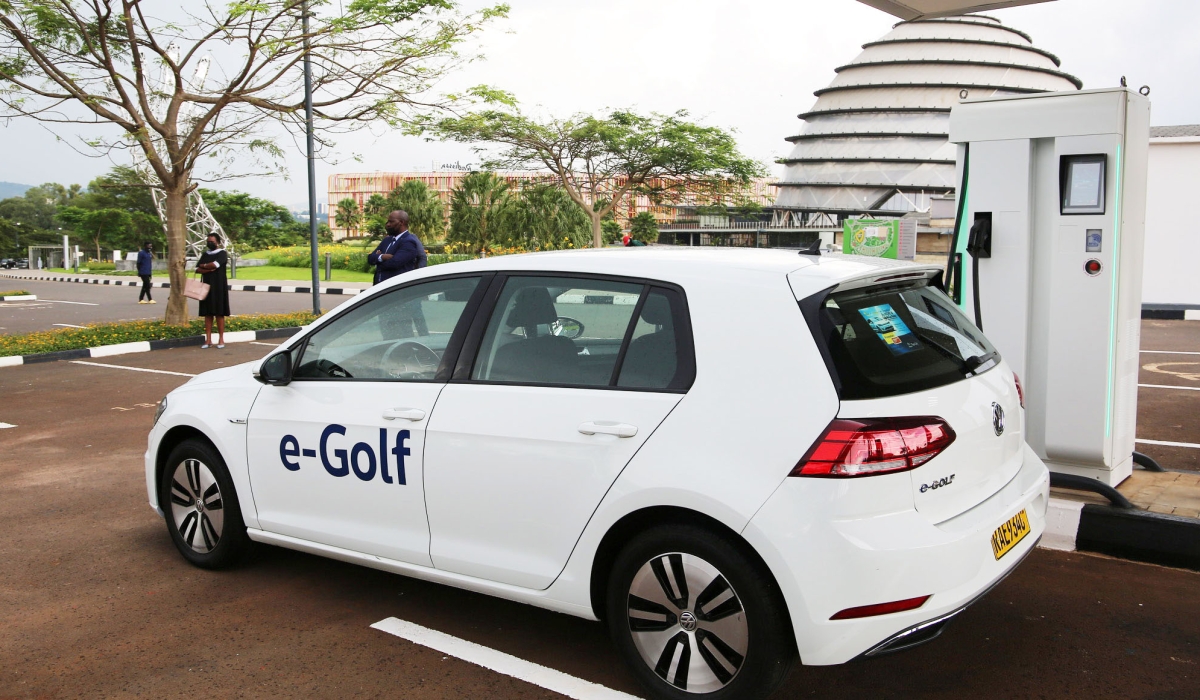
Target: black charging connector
[{"x": 979, "y": 245}]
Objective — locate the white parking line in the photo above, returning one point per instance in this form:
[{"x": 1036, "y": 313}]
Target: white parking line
[
  {"x": 1168, "y": 386},
  {"x": 132, "y": 369},
  {"x": 67, "y": 325},
  {"x": 270, "y": 345},
  {"x": 59, "y": 301},
  {"x": 6, "y": 425},
  {"x": 1171, "y": 352},
  {"x": 500, "y": 662},
  {"x": 1168, "y": 443}
]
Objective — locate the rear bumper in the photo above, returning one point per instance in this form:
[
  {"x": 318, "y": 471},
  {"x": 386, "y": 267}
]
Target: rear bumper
[{"x": 825, "y": 561}]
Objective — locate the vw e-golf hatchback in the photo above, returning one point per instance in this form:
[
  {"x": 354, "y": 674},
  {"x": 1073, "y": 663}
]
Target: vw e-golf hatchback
[{"x": 733, "y": 458}]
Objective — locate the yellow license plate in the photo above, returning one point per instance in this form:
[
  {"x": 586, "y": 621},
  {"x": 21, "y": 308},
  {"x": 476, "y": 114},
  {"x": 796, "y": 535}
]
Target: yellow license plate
[{"x": 1009, "y": 534}]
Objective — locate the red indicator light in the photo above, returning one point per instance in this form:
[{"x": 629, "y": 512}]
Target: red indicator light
[
  {"x": 1092, "y": 267},
  {"x": 880, "y": 608},
  {"x": 1020, "y": 390},
  {"x": 866, "y": 446}
]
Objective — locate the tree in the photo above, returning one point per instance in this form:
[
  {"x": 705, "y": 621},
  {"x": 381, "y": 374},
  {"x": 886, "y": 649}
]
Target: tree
[
  {"x": 96, "y": 224},
  {"x": 643, "y": 227},
  {"x": 546, "y": 218},
  {"x": 123, "y": 188},
  {"x": 348, "y": 215},
  {"x": 612, "y": 157},
  {"x": 250, "y": 222},
  {"x": 112, "y": 63},
  {"x": 426, "y": 211},
  {"x": 480, "y": 211}
]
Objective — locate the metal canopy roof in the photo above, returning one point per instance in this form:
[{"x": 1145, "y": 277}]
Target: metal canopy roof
[{"x": 921, "y": 9}]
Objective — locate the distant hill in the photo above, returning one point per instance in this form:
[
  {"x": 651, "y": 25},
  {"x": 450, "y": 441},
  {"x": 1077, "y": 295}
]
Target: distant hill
[{"x": 12, "y": 189}]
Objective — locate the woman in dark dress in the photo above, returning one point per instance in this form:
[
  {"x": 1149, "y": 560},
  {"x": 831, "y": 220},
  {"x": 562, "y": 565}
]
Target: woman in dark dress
[{"x": 212, "y": 267}]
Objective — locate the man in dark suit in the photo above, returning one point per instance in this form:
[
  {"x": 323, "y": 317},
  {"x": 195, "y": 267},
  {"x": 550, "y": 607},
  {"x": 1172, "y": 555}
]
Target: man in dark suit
[{"x": 399, "y": 252}]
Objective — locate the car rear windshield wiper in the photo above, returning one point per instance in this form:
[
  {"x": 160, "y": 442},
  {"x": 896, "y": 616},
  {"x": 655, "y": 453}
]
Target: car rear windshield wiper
[{"x": 974, "y": 362}]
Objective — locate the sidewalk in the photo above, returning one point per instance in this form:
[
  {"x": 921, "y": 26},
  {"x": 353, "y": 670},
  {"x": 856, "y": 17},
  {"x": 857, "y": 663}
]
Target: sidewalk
[{"x": 281, "y": 286}]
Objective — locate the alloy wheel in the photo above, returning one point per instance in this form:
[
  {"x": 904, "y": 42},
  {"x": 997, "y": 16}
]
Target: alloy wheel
[
  {"x": 687, "y": 622},
  {"x": 196, "y": 505}
]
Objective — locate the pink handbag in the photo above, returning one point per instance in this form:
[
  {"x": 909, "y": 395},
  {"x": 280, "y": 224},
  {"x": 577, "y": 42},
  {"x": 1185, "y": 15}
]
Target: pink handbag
[{"x": 195, "y": 289}]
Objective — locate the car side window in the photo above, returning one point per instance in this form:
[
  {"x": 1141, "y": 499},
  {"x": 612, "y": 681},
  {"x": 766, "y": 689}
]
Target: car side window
[
  {"x": 399, "y": 335},
  {"x": 557, "y": 330},
  {"x": 659, "y": 356}
]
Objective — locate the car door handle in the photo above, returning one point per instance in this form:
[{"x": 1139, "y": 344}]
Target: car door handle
[
  {"x": 608, "y": 428},
  {"x": 413, "y": 414}
]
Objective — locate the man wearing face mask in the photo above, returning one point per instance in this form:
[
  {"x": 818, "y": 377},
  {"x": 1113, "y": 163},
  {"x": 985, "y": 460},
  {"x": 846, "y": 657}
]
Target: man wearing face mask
[
  {"x": 401, "y": 251},
  {"x": 211, "y": 266}
]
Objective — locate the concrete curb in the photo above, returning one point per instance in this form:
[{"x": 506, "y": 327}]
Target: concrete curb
[
  {"x": 144, "y": 346},
  {"x": 1140, "y": 535},
  {"x": 285, "y": 289},
  {"x": 19, "y": 297}
]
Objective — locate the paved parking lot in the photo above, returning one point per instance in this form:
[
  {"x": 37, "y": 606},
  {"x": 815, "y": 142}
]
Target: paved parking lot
[
  {"x": 61, "y": 304},
  {"x": 96, "y": 601}
]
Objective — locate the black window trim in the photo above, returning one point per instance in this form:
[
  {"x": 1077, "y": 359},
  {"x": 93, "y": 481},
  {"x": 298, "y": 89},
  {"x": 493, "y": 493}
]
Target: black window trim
[
  {"x": 685, "y": 344},
  {"x": 453, "y": 347}
]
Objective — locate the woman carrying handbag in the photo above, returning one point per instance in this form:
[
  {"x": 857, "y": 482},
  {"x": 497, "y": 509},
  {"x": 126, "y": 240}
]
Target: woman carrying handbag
[{"x": 212, "y": 267}]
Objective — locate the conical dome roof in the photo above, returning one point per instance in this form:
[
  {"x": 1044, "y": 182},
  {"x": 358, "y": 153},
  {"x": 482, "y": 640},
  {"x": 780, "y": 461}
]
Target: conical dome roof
[{"x": 876, "y": 139}]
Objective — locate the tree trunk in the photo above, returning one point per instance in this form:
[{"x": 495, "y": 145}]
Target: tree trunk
[
  {"x": 177, "y": 308},
  {"x": 597, "y": 240}
]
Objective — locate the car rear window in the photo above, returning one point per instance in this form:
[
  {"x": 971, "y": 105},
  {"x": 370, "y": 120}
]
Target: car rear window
[{"x": 897, "y": 338}]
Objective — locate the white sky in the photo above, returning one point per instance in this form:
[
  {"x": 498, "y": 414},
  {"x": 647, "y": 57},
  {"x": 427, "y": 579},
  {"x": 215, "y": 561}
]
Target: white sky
[{"x": 748, "y": 66}]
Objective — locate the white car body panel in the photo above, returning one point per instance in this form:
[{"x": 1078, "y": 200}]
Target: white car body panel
[
  {"x": 761, "y": 397},
  {"x": 378, "y": 516},
  {"x": 514, "y": 459}
]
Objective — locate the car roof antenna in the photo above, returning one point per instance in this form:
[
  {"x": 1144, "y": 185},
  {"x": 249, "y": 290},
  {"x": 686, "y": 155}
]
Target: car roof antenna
[{"x": 813, "y": 248}]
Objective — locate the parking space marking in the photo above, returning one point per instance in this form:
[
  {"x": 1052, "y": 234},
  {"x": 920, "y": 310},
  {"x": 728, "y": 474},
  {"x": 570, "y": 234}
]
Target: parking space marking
[
  {"x": 131, "y": 369},
  {"x": 59, "y": 301},
  {"x": 270, "y": 345},
  {"x": 1168, "y": 443},
  {"x": 1171, "y": 352},
  {"x": 500, "y": 662},
  {"x": 1168, "y": 386},
  {"x": 6, "y": 425},
  {"x": 67, "y": 325}
]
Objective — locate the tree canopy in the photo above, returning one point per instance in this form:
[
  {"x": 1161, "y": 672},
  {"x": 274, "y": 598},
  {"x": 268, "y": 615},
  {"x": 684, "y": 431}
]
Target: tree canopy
[
  {"x": 607, "y": 158},
  {"x": 200, "y": 89}
]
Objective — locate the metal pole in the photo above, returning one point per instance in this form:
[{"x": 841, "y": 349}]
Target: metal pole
[
  {"x": 312, "y": 167},
  {"x": 328, "y": 265}
]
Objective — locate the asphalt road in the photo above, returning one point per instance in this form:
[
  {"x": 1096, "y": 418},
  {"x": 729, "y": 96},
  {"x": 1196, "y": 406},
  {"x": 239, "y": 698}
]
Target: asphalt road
[
  {"x": 1169, "y": 395},
  {"x": 96, "y": 602},
  {"x": 71, "y": 303}
]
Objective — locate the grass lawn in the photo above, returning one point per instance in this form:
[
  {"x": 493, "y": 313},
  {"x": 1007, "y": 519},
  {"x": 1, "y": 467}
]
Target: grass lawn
[{"x": 263, "y": 272}]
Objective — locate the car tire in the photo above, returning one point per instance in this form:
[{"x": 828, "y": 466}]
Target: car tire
[
  {"x": 201, "y": 506},
  {"x": 727, "y": 621}
]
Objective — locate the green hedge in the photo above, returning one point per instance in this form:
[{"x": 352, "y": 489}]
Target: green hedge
[
  {"x": 14, "y": 293},
  {"x": 343, "y": 257},
  {"x": 135, "y": 331}
]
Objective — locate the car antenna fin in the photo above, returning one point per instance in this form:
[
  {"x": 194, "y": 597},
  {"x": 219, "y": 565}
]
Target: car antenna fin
[{"x": 813, "y": 248}]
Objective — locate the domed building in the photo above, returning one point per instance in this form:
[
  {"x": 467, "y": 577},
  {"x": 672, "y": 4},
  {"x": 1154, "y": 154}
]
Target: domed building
[{"x": 875, "y": 142}]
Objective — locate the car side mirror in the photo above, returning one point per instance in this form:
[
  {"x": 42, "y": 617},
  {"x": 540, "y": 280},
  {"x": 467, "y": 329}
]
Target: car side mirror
[
  {"x": 276, "y": 369},
  {"x": 567, "y": 327}
]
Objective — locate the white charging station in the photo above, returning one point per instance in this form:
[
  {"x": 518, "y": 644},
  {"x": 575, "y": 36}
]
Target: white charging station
[{"x": 1057, "y": 182}]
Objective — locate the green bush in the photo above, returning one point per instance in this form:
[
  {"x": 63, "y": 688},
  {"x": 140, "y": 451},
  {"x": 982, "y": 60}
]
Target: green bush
[
  {"x": 344, "y": 257},
  {"x": 134, "y": 331},
  {"x": 99, "y": 266},
  {"x": 14, "y": 293}
]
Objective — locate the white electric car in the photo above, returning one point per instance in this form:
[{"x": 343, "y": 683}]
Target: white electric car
[{"x": 733, "y": 457}]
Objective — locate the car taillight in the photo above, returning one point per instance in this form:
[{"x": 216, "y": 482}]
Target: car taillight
[
  {"x": 869, "y": 446},
  {"x": 1020, "y": 391}
]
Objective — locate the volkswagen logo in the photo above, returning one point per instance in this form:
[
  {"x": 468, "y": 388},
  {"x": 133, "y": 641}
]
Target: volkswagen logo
[
  {"x": 998, "y": 418},
  {"x": 688, "y": 621}
]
